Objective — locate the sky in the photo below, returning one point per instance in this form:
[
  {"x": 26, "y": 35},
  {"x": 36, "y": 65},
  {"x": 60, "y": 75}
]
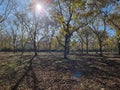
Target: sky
[{"x": 40, "y": 7}]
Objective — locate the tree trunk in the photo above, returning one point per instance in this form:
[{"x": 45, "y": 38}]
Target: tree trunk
[
  {"x": 82, "y": 47},
  {"x": 35, "y": 48},
  {"x": 22, "y": 51},
  {"x": 14, "y": 48},
  {"x": 87, "y": 44},
  {"x": 50, "y": 45},
  {"x": 34, "y": 44},
  {"x": 66, "y": 47},
  {"x": 118, "y": 48},
  {"x": 100, "y": 47},
  {"x": 14, "y": 45}
]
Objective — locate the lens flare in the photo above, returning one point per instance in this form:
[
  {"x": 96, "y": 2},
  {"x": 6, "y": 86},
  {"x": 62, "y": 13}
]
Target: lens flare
[{"x": 38, "y": 7}]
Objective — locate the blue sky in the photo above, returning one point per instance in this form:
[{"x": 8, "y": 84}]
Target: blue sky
[{"x": 109, "y": 9}]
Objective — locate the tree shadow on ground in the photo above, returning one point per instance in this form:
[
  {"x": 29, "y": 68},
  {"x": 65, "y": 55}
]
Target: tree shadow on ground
[
  {"x": 100, "y": 70},
  {"x": 30, "y": 75},
  {"x": 56, "y": 73}
]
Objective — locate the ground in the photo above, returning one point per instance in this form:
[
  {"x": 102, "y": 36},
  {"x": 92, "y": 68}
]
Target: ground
[{"x": 51, "y": 72}]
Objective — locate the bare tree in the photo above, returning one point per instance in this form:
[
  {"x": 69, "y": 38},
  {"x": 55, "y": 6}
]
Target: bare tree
[
  {"x": 6, "y": 7},
  {"x": 85, "y": 36},
  {"x": 98, "y": 27}
]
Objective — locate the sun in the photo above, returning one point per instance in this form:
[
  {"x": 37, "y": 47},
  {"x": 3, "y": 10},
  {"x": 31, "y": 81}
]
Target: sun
[{"x": 38, "y": 7}]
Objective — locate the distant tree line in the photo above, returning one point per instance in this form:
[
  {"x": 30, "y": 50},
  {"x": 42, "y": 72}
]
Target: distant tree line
[{"x": 64, "y": 25}]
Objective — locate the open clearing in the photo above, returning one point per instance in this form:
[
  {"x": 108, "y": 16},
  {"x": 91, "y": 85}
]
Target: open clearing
[{"x": 79, "y": 72}]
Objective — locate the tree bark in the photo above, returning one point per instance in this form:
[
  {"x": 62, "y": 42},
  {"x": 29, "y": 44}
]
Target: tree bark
[
  {"x": 66, "y": 47},
  {"x": 82, "y": 47},
  {"x": 82, "y": 42},
  {"x": 14, "y": 44},
  {"x": 87, "y": 44},
  {"x": 14, "y": 48},
  {"x": 118, "y": 48},
  {"x": 100, "y": 47},
  {"x": 35, "y": 48},
  {"x": 34, "y": 43}
]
